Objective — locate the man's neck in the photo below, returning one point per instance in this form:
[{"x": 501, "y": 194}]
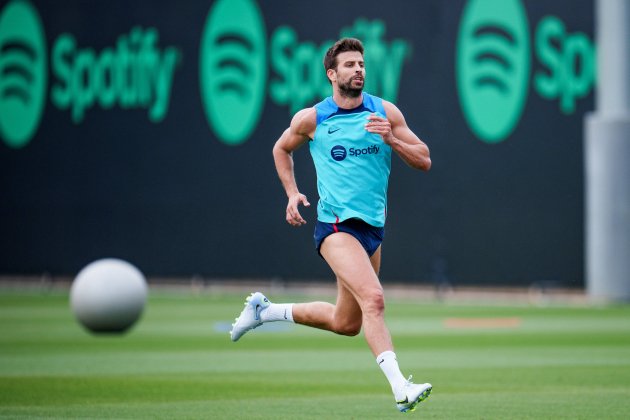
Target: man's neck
[{"x": 346, "y": 102}]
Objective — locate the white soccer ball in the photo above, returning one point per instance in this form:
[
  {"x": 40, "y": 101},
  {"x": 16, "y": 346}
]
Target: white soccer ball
[{"x": 108, "y": 295}]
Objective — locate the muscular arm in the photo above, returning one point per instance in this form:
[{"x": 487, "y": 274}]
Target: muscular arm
[
  {"x": 301, "y": 129},
  {"x": 395, "y": 132}
]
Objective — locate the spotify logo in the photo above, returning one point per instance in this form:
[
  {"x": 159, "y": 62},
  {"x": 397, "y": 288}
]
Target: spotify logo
[
  {"x": 492, "y": 66},
  {"x": 338, "y": 153},
  {"x": 23, "y": 72},
  {"x": 233, "y": 69}
]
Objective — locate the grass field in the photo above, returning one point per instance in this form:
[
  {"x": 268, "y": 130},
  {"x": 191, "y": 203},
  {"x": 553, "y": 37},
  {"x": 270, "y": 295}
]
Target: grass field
[{"x": 485, "y": 362}]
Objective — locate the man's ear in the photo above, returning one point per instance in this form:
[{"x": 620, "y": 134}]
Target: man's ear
[{"x": 332, "y": 74}]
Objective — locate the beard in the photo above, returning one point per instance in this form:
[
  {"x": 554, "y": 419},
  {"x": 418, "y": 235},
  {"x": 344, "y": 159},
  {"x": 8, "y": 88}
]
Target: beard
[{"x": 346, "y": 89}]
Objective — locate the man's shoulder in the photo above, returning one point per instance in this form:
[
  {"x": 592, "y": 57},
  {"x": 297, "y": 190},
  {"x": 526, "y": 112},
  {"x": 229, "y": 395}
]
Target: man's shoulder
[
  {"x": 305, "y": 120},
  {"x": 324, "y": 109},
  {"x": 391, "y": 111}
]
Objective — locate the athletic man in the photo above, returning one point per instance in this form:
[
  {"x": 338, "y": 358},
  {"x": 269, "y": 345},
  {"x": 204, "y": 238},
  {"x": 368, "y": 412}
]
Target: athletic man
[{"x": 351, "y": 136}]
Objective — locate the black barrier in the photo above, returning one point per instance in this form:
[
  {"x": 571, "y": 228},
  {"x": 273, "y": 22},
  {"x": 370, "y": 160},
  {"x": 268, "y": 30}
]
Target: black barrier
[{"x": 143, "y": 130}]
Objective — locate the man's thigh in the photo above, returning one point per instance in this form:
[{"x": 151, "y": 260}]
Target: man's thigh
[{"x": 352, "y": 266}]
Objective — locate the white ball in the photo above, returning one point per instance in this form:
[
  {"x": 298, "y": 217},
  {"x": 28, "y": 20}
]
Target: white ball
[{"x": 108, "y": 295}]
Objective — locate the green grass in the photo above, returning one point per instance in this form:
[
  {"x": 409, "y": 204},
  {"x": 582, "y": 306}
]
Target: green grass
[{"x": 559, "y": 362}]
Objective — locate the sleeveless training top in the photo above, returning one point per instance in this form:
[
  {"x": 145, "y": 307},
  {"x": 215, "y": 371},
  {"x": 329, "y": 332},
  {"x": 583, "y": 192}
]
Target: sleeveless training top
[{"x": 352, "y": 164}]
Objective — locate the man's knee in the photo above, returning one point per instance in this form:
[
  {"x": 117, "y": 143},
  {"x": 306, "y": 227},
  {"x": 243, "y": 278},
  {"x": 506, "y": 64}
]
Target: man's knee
[
  {"x": 350, "y": 329},
  {"x": 374, "y": 303}
]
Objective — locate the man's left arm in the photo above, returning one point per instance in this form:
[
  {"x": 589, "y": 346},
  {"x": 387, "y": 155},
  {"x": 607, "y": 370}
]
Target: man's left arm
[{"x": 395, "y": 132}]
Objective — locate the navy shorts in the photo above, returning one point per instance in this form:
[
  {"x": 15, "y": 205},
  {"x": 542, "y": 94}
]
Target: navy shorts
[{"x": 370, "y": 237}]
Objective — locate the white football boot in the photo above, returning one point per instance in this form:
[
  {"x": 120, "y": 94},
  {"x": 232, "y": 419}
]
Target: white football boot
[
  {"x": 414, "y": 394},
  {"x": 250, "y": 316}
]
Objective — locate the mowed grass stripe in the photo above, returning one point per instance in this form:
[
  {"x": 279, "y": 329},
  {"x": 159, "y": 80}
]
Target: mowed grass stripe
[
  {"x": 200, "y": 399},
  {"x": 273, "y": 361}
]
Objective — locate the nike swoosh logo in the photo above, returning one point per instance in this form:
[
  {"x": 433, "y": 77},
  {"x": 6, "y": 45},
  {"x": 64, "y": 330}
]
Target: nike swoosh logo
[
  {"x": 381, "y": 361},
  {"x": 330, "y": 130},
  {"x": 285, "y": 314},
  {"x": 406, "y": 401},
  {"x": 257, "y": 311}
]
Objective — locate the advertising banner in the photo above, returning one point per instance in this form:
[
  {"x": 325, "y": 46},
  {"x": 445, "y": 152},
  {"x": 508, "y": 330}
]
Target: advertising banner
[{"x": 143, "y": 130}]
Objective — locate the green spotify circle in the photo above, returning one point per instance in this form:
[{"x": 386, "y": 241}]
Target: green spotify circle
[
  {"x": 493, "y": 66},
  {"x": 233, "y": 69},
  {"x": 24, "y": 72}
]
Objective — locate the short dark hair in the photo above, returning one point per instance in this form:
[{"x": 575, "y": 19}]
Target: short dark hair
[{"x": 343, "y": 45}]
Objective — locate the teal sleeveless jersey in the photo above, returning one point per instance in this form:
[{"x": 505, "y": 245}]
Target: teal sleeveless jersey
[{"x": 352, "y": 164}]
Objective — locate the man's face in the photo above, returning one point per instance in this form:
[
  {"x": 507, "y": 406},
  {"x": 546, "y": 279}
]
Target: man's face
[{"x": 350, "y": 73}]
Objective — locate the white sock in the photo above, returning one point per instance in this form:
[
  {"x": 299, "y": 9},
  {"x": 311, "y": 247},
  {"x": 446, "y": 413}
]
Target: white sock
[
  {"x": 389, "y": 365},
  {"x": 278, "y": 312}
]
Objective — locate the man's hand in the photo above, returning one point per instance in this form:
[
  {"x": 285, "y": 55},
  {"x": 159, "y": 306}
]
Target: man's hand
[
  {"x": 399, "y": 137},
  {"x": 293, "y": 214},
  {"x": 380, "y": 126}
]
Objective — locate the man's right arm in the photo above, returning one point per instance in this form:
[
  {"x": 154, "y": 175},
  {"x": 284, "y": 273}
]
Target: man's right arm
[{"x": 301, "y": 129}]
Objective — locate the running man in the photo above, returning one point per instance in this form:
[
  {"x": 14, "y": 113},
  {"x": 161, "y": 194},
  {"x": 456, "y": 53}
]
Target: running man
[{"x": 351, "y": 137}]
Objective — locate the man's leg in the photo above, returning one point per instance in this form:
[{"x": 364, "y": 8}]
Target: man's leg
[
  {"x": 342, "y": 318},
  {"x": 345, "y": 317},
  {"x": 360, "y": 302},
  {"x": 356, "y": 273},
  {"x": 359, "y": 276}
]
